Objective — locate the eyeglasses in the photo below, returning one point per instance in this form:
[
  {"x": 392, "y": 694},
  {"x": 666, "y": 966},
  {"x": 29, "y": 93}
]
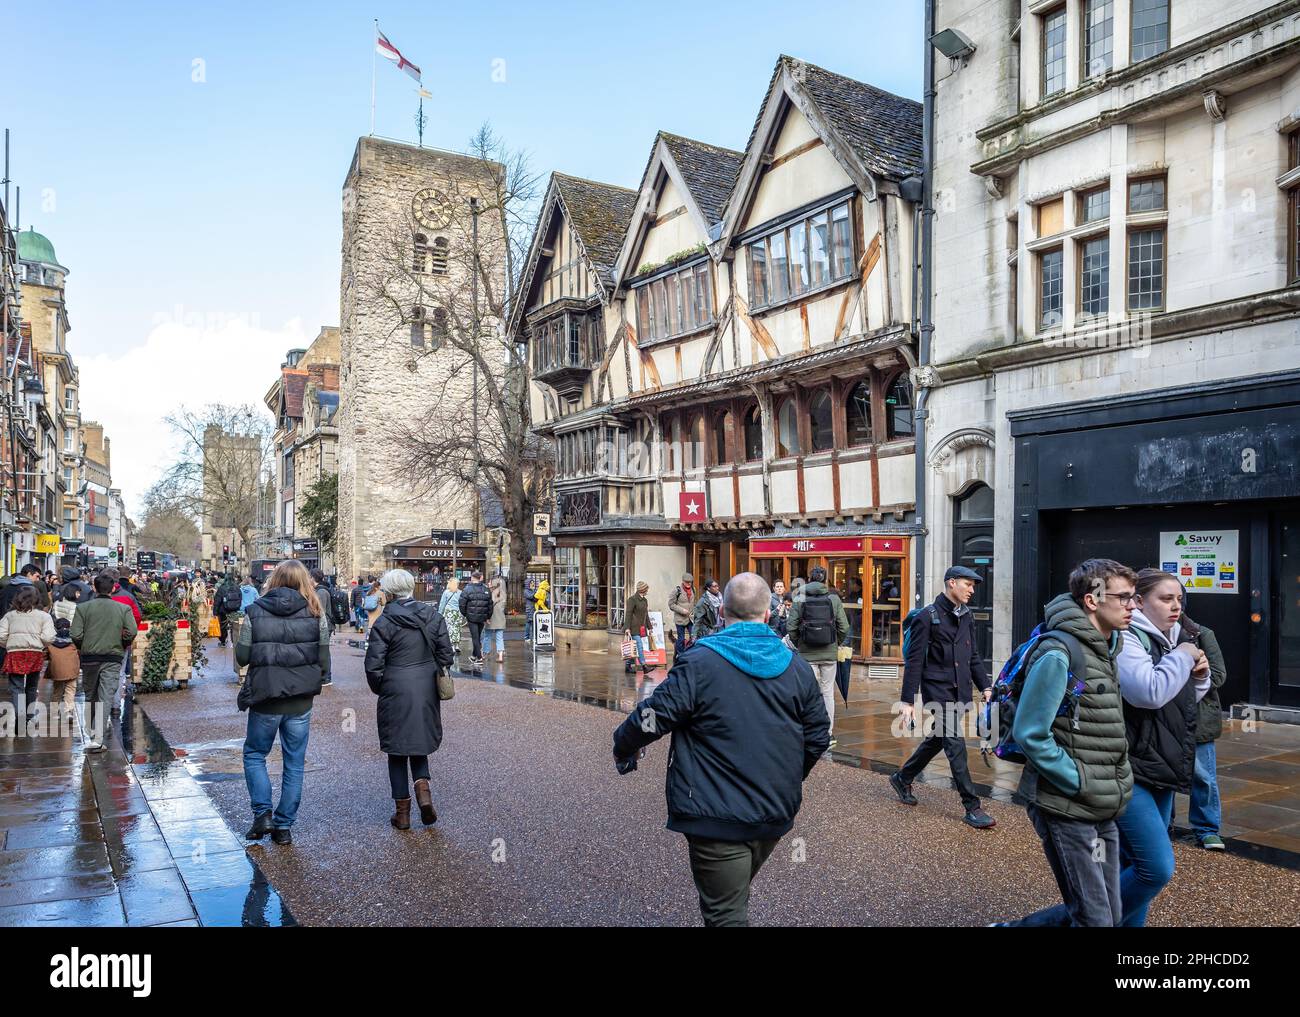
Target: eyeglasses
[{"x": 1124, "y": 598}]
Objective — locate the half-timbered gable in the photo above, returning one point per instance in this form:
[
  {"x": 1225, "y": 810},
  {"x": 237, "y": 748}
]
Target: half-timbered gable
[
  {"x": 753, "y": 409},
  {"x": 567, "y": 281}
]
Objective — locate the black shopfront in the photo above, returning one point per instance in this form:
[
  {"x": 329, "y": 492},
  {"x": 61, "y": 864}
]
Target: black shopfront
[{"x": 1107, "y": 478}]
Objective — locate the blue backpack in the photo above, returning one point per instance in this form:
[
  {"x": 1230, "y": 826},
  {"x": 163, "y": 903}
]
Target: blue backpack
[
  {"x": 909, "y": 625},
  {"x": 999, "y": 714}
]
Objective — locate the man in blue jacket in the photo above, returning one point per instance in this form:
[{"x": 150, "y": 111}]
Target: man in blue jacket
[{"x": 748, "y": 726}]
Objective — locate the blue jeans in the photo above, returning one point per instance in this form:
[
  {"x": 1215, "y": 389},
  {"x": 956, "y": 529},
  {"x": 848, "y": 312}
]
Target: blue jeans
[
  {"x": 1146, "y": 854},
  {"x": 682, "y": 631},
  {"x": 1204, "y": 812},
  {"x": 359, "y": 618},
  {"x": 1084, "y": 859},
  {"x": 262, "y": 728},
  {"x": 640, "y": 653},
  {"x": 487, "y": 641}
]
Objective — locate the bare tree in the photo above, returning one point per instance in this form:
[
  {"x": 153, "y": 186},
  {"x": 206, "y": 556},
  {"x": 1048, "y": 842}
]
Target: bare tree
[
  {"x": 167, "y": 524},
  {"x": 451, "y": 302},
  {"x": 225, "y": 454}
]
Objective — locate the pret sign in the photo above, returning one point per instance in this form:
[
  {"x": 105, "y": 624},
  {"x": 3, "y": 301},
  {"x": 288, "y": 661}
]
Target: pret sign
[{"x": 1205, "y": 560}]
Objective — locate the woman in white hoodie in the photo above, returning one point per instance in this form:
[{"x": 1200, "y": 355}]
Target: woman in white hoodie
[{"x": 1162, "y": 677}]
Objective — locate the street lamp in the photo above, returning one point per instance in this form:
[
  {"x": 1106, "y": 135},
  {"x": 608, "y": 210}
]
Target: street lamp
[{"x": 33, "y": 389}]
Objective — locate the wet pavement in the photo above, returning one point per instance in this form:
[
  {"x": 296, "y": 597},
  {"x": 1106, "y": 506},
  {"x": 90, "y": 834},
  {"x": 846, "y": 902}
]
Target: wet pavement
[
  {"x": 126, "y": 837},
  {"x": 536, "y": 828}
]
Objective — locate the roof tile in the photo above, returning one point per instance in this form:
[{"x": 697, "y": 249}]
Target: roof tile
[
  {"x": 709, "y": 171},
  {"x": 599, "y": 214}
]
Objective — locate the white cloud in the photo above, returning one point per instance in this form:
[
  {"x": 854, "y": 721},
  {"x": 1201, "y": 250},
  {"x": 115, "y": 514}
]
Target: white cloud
[{"x": 187, "y": 360}]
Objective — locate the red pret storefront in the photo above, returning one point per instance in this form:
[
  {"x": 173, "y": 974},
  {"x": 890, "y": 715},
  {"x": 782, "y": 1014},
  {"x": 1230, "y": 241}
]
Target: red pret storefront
[{"x": 870, "y": 574}]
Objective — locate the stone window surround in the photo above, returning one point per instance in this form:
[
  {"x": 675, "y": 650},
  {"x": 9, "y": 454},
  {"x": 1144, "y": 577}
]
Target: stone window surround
[
  {"x": 1071, "y": 238},
  {"x": 1185, "y": 70}
]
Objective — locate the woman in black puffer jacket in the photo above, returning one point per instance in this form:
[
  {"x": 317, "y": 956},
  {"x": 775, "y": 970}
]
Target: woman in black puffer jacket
[
  {"x": 285, "y": 644},
  {"x": 408, "y": 648}
]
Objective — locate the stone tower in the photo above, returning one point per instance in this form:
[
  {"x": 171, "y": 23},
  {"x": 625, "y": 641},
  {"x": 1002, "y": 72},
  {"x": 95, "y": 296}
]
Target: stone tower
[{"x": 405, "y": 281}]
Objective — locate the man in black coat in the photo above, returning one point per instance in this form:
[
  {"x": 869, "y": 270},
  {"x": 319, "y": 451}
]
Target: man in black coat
[
  {"x": 748, "y": 726},
  {"x": 28, "y": 575},
  {"x": 942, "y": 662},
  {"x": 476, "y": 605}
]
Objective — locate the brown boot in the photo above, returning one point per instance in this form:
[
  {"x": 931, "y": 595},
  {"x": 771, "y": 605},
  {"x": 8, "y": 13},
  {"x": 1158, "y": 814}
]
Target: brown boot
[
  {"x": 425, "y": 800},
  {"x": 402, "y": 817}
]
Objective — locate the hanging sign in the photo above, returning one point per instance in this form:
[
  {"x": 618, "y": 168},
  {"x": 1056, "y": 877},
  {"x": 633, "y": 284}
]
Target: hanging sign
[{"x": 1204, "y": 560}]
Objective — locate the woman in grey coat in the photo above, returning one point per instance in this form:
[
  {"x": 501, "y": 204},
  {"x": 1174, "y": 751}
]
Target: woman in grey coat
[
  {"x": 408, "y": 648},
  {"x": 497, "y": 621}
]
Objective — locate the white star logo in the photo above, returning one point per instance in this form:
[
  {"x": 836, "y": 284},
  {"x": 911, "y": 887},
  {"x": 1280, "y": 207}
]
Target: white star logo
[{"x": 692, "y": 507}]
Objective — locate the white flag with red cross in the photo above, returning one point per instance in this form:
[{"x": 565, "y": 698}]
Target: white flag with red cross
[{"x": 390, "y": 52}]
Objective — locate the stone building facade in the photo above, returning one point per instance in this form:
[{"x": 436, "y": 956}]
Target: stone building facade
[
  {"x": 405, "y": 282},
  {"x": 303, "y": 400},
  {"x": 63, "y": 472},
  {"x": 1115, "y": 351}
]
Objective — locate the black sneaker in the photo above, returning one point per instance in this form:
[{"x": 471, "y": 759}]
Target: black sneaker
[
  {"x": 260, "y": 828},
  {"x": 281, "y": 836},
  {"x": 980, "y": 819},
  {"x": 904, "y": 791}
]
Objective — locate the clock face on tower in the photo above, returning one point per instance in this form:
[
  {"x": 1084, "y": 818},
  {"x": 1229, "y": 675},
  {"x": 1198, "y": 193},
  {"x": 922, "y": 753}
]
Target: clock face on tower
[{"x": 432, "y": 209}]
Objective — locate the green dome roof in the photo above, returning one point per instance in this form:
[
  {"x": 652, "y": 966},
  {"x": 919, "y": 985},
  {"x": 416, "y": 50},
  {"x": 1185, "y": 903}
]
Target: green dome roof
[{"x": 32, "y": 246}]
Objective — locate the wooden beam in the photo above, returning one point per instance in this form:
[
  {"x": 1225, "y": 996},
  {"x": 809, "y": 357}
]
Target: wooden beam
[
  {"x": 794, "y": 153},
  {"x": 835, "y": 478},
  {"x": 870, "y": 256},
  {"x": 799, "y": 475},
  {"x": 757, "y": 330},
  {"x": 803, "y": 319}
]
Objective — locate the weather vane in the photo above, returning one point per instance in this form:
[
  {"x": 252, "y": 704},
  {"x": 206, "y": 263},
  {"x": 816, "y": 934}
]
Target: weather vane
[{"x": 420, "y": 118}]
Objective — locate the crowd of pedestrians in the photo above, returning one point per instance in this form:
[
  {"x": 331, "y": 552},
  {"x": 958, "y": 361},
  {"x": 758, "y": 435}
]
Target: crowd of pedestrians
[
  {"x": 1111, "y": 705},
  {"x": 64, "y": 629}
]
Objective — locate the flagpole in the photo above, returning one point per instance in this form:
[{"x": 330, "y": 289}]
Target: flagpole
[{"x": 374, "y": 50}]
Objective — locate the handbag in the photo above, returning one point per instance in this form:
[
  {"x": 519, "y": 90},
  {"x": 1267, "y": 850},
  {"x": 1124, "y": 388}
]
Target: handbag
[
  {"x": 214, "y": 627},
  {"x": 446, "y": 686},
  {"x": 629, "y": 649}
]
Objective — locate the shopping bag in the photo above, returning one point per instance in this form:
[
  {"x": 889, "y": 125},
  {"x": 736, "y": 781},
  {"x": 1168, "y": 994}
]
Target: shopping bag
[
  {"x": 629, "y": 649},
  {"x": 214, "y": 628}
]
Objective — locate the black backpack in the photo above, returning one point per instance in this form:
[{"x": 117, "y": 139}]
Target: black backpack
[
  {"x": 232, "y": 599},
  {"x": 817, "y": 621},
  {"x": 339, "y": 606}
]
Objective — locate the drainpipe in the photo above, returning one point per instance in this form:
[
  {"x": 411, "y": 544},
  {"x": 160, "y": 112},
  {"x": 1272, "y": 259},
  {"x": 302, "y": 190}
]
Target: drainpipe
[{"x": 927, "y": 302}]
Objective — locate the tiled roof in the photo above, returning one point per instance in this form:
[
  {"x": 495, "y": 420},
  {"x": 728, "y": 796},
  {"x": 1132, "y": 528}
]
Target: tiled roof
[
  {"x": 883, "y": 129},
  {"x": 295, "y": 382},
  {"x": 599, "y": 214},
  {"x": 708, "y": 170}
]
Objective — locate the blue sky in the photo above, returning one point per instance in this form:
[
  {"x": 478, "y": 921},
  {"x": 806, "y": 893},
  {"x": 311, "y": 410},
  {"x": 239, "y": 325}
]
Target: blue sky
[{"x": 200, "y": 219}]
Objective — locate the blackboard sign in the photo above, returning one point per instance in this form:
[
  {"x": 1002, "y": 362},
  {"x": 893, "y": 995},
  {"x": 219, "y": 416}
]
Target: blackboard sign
[{"x": 146, "y": 561}]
